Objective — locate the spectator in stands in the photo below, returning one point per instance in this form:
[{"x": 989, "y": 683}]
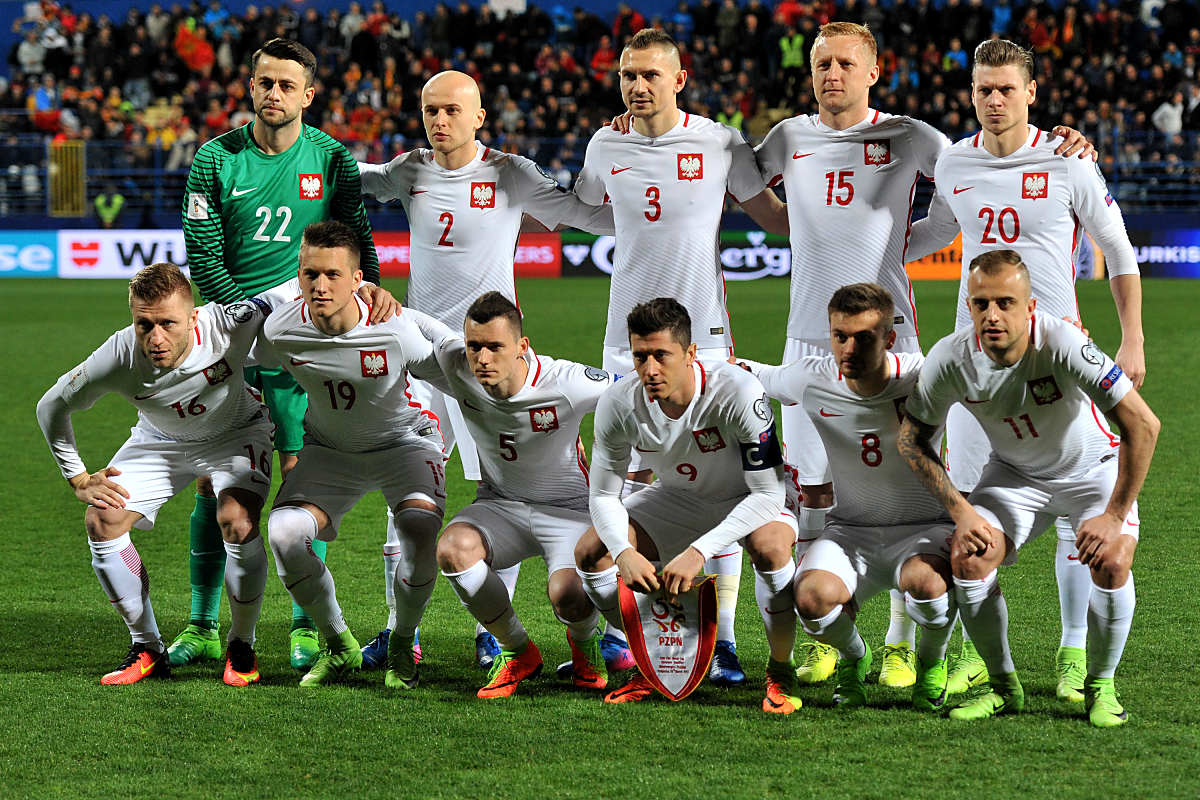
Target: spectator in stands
[{"x": 1168, "y": 117}]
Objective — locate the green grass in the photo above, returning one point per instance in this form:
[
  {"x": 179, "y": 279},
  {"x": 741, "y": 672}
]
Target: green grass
[{"x": 62, "y": 734}]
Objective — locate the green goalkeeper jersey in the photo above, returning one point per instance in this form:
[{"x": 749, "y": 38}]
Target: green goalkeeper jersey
[{"x": 244, "y": 211}]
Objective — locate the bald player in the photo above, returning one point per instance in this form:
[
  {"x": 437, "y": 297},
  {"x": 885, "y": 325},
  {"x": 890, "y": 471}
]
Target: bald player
[{"x": 465, "y": 203}]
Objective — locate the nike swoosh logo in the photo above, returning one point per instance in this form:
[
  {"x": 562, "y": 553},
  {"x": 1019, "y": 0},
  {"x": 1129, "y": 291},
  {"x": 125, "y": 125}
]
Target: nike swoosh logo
[
  {"x": 144, "y": 396},
  {"x": 1072, "y": 558},
  {"x": 726, "y": 555},
  {"x": 296, "y": 363},
  {"x": 616, "y": 171},
  {"x": 961, "y": 189},
  {"x": 780, "y": 611},
  {"x": 975, "y": 677},
  {"x": 240, "y": 192},
  {"x": 256, "y": 479},
  {"x": 974, "y": 402},
  {"x": 825, "y": 413},
  {"x": 471, "y": 406},
  {"x": 146, "y": 669},
  {"x": 801, "y": 155},
  {"x": 412, "y": 192},
  {"x": 640, "y": 450}
]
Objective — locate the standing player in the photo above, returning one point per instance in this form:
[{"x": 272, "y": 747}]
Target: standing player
[
  {"x": 250, "y": 194},
  {"x": 523, "y": 410},
  {"x": 709, "y": 436},
  {"x": 886, "y": 531},
  {"x": 180, "y": 367},
  {"x": 362, "y": 432},
  {"x": 848, "y": 168},
  {"x": 1034, "y": 382},
  {"x": 1009, "y": 190},
  {"x": 666, "y": 180},
  {"x": 464, "y": 204}
]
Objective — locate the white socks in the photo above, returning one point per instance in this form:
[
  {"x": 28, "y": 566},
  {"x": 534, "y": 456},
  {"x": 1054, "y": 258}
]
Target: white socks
[
  {"x": 837, "y": 629},
  {"x": 936, "y": 618},
  {"x": 601, "y": 587},
  {"x": 1074, "y": 586},
  {"x": 773, "y": 592},
  {"x": 727, "y": 566},
  {"x": 509, "y": 576},
  {"x": 291, "y": 531},
  {"x": 245, "y": 583},
  {"x": 416, "y": 571},
  {"x": 485, "y": 596},
  {"x": 1110, "y": 613},
  {"x": 123, "y": 578},
  {"x": 984, "y": 613}
]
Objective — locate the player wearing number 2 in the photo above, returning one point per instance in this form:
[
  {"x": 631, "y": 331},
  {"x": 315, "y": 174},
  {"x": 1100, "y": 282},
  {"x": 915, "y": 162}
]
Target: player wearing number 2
[
  {"x": 1006, "y": 189},
  {"x": 181, "y": 367},
  {"x": 250, "y": 194},
  {"x": 363, "y": 433}
]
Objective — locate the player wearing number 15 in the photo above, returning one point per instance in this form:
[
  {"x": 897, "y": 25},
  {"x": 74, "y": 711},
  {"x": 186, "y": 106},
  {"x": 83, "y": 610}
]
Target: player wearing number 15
[
  {"x": 362, "y": 434},
  {"x": 181, "y": 367}
]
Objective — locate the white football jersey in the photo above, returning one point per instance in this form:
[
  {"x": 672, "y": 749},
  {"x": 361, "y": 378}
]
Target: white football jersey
[
  {"x": 727, "y": 429},
  {"x": 874, "y": 486},
  {"x": 528, "y": 444},
  {"x": 1034, "y": 202},
  {"x": 464, "y": 223},
  {"x": 203, "y": 398},
  {"x": 357, "y": 382},
  {"x": 849, "y": 199},
  {"x": 1043, "y": 415},
  {"x": 667, "y": 194}
]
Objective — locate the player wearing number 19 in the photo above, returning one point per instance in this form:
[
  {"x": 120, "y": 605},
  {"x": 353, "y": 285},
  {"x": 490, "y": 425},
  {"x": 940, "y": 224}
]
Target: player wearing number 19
[
  {"x": 362, "y": 433},
  {"x": 180, "y": 366},
  {"x": 249, "y": 195}
]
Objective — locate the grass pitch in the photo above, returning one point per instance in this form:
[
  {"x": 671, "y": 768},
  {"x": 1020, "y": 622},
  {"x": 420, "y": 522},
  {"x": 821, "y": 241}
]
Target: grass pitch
[{"x": 62, "y": 734}]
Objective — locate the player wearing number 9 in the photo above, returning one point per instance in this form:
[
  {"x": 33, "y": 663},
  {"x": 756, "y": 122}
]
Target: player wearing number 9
[
  {"x": 362, "y": 433},
  {"x": 181, "y": 367}
]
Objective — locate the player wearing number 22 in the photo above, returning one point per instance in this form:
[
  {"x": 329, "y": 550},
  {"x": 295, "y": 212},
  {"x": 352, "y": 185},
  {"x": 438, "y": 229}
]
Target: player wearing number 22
[
  {"x": 181, "y": 367},
  {"x": 708, "y": 433},
  {"x": 363, "y": 433}
]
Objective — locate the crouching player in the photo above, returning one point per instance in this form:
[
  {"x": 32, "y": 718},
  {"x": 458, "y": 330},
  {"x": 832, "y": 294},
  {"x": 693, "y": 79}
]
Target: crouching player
[
  {"x": 709, "y": 435},
  {"x": 1037, "y": 386},
  {"x": 362, "y": 434},
  {"x": 523, "y": 413},
  {"x": 181, "y": 367},
  {"x": 886, "y": 531}
]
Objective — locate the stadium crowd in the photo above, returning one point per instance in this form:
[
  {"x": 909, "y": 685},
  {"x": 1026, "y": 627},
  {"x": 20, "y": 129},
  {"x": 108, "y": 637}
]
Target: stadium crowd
[{"x": 167, "y": 79}]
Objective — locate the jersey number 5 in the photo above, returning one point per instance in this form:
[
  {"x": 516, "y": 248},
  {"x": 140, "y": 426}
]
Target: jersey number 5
[{"x": 844, "y": 189}]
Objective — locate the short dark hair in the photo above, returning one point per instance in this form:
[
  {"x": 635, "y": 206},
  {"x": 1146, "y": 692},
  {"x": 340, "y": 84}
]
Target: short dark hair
[
  {"x": 994, "y": 262},
  {"x": 860, "y": 297},
  {"x": 661, "y": 314},
  {"x": 1002, "y": 53},
  {"x": 653, "y": 37},
  {"x": 332, "y": 233},
  {"x": 158, "y": 282},
  {"x": 288, "y": 50},
  {"x": 491, "y": 305}
]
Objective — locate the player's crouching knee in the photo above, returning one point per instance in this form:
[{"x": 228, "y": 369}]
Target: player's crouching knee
[
  {"x": 459, "y": 548},
  {"x": 1115, "y": 565},
  {"x": 566, "y": 594},
  {"x": 924, "y": 578},
  {"x": 590, "y": 551},
  {"x": 103, "y": 524},
  {"x": 290, "y": 531},
  {"x": 770, "y": 547},
  {"x": 816, "y": 595}
]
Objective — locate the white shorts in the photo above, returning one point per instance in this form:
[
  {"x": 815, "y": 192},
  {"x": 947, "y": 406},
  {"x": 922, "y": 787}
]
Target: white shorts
[
  {"x": 154, "y": 469},
  {"x": 1024, "y": 507},
  {"x": 802, "y": 447},
  {"x": 674, "y": 519},
  {"x": 868, "y": 560},
  {"x": 619, "y": 361},
  {"x": 515, "y": 531},
  {"x": 285, "y": 292},
  {"x": 451, "y": 423},
  {"x": 967, "y": 448},
  {"x": 334, "y": 480}
]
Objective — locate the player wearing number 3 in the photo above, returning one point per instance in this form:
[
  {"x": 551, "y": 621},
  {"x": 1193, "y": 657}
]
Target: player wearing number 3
[
  {"x": 363, "y": 432},
  {"x": 181, "y": 367}
]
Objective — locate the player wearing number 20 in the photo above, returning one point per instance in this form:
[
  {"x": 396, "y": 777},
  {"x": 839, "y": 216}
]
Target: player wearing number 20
[
  {"x": 181, "y": 367},
  {"x": 362, "y": 433}
]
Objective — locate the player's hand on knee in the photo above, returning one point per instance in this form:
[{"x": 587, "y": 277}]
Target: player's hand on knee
[
  {"x": 678, "y": 574},
  {"x": 97, "y": 490},
  {"x": 1074, "y": 143},
  {"x": 637, "y": 571},
  {"x": 1096, "y": 535},
  {"x": 383, "y": 305},
  {"x": 973, "y": 536}
]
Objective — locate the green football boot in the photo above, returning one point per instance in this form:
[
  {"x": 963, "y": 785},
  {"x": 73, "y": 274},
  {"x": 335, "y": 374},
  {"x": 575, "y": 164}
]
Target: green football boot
[
  {"x": 401, "y": 665},
  {"x": 193, "y": 645},
  {"x": 929, "y": 690},
  {"x": 968, "y": 671},
  {"x": 305, "y": 647},
  {"x": 342, "y": 657},
  {"x": 1071, "y": 663},
  {"x": 1100, "y": 700},
  {"x": 1005, "y": 697},
  {"x": 851, "y": 691}
]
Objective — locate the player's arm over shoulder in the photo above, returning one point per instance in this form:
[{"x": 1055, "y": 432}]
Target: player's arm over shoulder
[
  {"x": 788, "y": 382},
  {"x": 589, "y": 185},
  {"x": 388, "y": 182}
]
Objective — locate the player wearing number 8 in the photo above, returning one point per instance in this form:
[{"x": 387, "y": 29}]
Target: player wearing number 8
[
  {"x": 363, "y": 433},
  {"x": 181, "y": 367}
]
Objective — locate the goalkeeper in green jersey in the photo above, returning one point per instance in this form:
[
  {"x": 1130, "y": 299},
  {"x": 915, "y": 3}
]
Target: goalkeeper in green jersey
[{"x": 250, "y": 193}]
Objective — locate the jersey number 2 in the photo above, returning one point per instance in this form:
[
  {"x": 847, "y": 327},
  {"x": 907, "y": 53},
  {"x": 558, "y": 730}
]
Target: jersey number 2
[
  {"x": 283, "y": 213},
  {"x": 1002, "y": 227},
  {"x": 447, "y": 218}
]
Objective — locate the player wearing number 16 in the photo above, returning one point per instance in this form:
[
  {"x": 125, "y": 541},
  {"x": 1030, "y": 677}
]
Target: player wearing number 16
[
  {"x": 181, "y": 367},
  {"x": 362, "y": 433}
]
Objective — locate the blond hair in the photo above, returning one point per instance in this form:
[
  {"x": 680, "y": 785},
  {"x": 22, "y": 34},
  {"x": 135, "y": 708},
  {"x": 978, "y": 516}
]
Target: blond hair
[
  {"x": 158, "y": 282},
  {"x": 861, "y": 32}
]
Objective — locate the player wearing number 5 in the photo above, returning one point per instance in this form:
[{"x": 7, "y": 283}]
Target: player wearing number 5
[
  {"x": 181, "y": 367},
  {"x": 250, "y": 194}
]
